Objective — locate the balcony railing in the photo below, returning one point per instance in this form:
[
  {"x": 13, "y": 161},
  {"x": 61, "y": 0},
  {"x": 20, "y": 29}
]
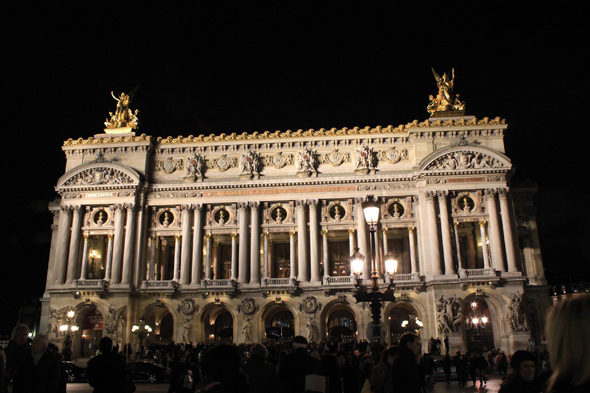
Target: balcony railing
[
  {"x": 278, "y": 282},
  {"x": 159, "y": 285},
  {"x": 219, "y": 284},
  {"x": 97, "y": 285},
  {"x": 477, "y": 273}
]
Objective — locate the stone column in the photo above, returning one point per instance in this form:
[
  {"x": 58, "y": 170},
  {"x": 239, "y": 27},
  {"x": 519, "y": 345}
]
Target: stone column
[
  {"x": 484, "y": 244},
  {"x": 74, "y": 245},
  {"x": 433, "y": 234},
  {"x": 176, "y": 275},
  {"x": 153, "y": 241},
  {"x": 255, "y": 244},
  {"x": 265, "y": 273},
  {"x": 128, "y": 250},
  {"x": 197, "y": 269},
  {"x": 63, "y": 236},
  {"x": 234, "y": 257},
  {"x": 446, "y": 232},
  {"x": 209, "y": 248},
  {"x": 457, "y": 244},
  {"x": 362, "y": 238},
  {"x": 303, "y": 271},
  {"x": 185, "y": 248},
  {"x": 413, "y": 263},
  {"x": 472, "y": 249},
  {"x": 118, "y": 245},
  {"x": 140, "y": 246},
  {"x": 243, "y": 253},
  {"x": 84, "y": 259},
  {"x": 326, "y": 253},
  {"x": 292, "y": 256},
  {"x": 380, "y": 268},
  {"x": 384, "y": 239},
  {"x": 351, "y": 240},
  {"x": 51, "y": 266},
  {"x": 314, "y": 241},
  {"x": 508, "y": 234},
  {"x": 495, "y": 238}
]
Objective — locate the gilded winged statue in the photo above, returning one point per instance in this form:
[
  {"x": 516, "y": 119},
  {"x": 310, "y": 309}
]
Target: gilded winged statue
[
  {"x": 123, "y": 116},
  {"x": 445, "y": 100}
]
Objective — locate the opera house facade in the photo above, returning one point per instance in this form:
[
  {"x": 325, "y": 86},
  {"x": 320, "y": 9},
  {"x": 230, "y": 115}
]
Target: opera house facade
[{"x": 248, "y": 237}]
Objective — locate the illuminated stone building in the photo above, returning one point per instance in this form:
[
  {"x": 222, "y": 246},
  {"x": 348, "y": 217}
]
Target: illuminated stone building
[{"x": 245, "y": 237}]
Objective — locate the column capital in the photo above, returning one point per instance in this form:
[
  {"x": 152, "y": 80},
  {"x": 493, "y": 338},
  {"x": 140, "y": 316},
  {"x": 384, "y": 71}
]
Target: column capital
[
  {"x": 502, "y": 192},
  {"x": 186, "y": 207},
  {"x": 351, "y": 231},
  {"x": 234, "y": 235},
  {"x": 313, "y": 203},
  {"x": 430, "y": 195},
  {"x": 197, "y": 206},
  {"x": 85, "y": 235},
  {"x": 483, "y": 223},
  {"x": 265, "y": 234},
  {"x": 254, "y": 205},
  {"x": 384, "y": 229},
  {"x": 324, "y": 232},
  {"x": 208, "y": 236},
  {"x": 177, "y": 237},
  {"x": 292, "y": 233},
  {"x": 490, "y": 192},
  {"x": 411, "y": 229},
  {"x": 242, "y": 205},
  {"x": 442, "y": 194},
  {"x": 456, "y": 224},
  {"x": 118, "y": 207},
  {"x": 300, "y": 203}
]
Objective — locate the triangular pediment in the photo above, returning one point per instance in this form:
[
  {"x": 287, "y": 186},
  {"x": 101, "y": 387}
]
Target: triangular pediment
[
  {"x": 99, "y": 175},
  {"x": 465, "y": 159}
]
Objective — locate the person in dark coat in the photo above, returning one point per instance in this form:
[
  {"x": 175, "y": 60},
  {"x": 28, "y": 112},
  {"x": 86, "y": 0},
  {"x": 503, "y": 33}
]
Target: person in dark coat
[
  {"x": 40, "y": 373},
  {"x": 482, "y": 368},
  {"x": 347, "y": 373},
  {"x": 447, "y": 363},
  {"x": 524, "y": 377},
  {"x": 329, "y": 369},
  {"x": 106, "y": 372},
  {"x": 262, "y": 375},
  {"x": 295, "y": 366},
  {"x": 221, "y": 368},
  {"x": 405, "y": 375},
  {"x": 17, "y": 352}
]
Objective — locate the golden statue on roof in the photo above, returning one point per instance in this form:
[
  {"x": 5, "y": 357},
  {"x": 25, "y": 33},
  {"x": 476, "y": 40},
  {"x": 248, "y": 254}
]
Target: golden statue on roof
[
  {"x": 124, "y": 119},
  {"x": 445, "y": 100}
]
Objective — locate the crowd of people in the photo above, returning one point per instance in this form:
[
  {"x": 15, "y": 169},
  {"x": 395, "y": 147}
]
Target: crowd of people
[{"x": 297, "y": 366}]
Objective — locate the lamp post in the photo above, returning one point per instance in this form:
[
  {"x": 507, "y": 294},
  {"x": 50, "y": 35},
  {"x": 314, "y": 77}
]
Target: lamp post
[
  {"x": 67, "y": 329},
  {"x": 375, "y": 297},
  {"x": 141, "y": 331}
]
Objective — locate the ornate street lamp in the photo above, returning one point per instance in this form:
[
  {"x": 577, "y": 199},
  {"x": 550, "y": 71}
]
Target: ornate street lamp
[
  {"x": 68, "y": 328},
  {"x": 141, "y": 331},
  {"x": 375, "y": 297}
]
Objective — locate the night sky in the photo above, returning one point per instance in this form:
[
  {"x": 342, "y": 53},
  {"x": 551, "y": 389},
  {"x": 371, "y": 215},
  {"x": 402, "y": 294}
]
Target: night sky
[{"x": 245, "y": 66}]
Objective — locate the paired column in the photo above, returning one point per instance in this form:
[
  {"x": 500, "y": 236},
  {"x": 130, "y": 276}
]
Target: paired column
[
  {"x": 255, "y": 244},
  {"x": 209, "y": 248},
  {"x": 84, "y": 259},
  {"x": 362, "y": 238},
  {"x": 63, "y": 237},
  {"x": 234, "y": 256},
  {"x": 185, "y": 248},
  {"x": 292, "y": 255},
  {"x": 152, "y": 263},
  {"x": 74, "y": 245},
  {"x": 197, "y": 269},
  {"x": 128, "y": 250},
  {"x": 433, "y": 233},
  {"x": 496, "y": 238},
  {"x": 176, "y": 274},
  {"x": 303, "y": 272},
  {"x": 314, "y": 239},
  {"x": 446, "y": 232},
  {"x": 243, "y": 256},
  {"x": 266, "y": 273},
  {"x": 118, "y": 244},
  {"x": 457, "y": 244},
  {"x": 326, "y": 253},
  {"x": 508, "y": 233},
  {"x": 412, "y": 238},
  {"x": 351, "y": 240},
  {"x": 484, "y": 244}
]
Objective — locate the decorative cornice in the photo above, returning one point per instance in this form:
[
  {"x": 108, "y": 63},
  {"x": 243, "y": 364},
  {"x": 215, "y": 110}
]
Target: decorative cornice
[{"x": 106, "y": 140}]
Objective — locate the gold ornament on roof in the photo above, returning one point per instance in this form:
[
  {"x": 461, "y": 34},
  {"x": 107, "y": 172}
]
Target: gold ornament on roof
[
  {"x": 124, "y": 119},
  {"x": 445, "y": 100}
]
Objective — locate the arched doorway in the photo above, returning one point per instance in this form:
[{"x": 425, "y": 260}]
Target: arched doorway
[
  {"x": 402, "y": 318},
  {"x": 280, "y": 325},
  {"x": 477, "y": 325},
  {"x": 162, "y": 323},
  {"x": 90, "y": 323},
  {"x": 341, "y": 325}
]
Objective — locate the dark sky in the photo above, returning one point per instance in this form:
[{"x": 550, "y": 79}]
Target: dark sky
[{"x": 244, "y": 66}]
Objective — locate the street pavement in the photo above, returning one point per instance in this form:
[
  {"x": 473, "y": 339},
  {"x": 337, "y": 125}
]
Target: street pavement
[{"x": 492, "y": 386}]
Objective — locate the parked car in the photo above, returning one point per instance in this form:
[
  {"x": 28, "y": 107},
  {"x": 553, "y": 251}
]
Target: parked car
[
  {"x": 74, "y": 372},
  {"x": 146, "y": 371}
]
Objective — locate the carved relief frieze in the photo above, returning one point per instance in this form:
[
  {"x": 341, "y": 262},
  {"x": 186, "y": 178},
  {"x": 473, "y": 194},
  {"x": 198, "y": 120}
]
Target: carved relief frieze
[
  {"x": 463, "y": 160},
  {"x": 335, "y": 158},
  {"x": 306, "y": 163},
  {"x": 364, "y": 160},
  {"x": 195, "y": 165},
  {"x": 174, "y": 194},
  {"x": 222, "y": 163},
  {"x": 99, "y": 176},
  {"x": 386, "y": 186},
  {"x": 249, "y": 165},
  {"x": 78, "y": 195},
  {"x": 393, "y": 155},
  {"x": 169, "y": 165},
  {"x": 278, "y": 160}
]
